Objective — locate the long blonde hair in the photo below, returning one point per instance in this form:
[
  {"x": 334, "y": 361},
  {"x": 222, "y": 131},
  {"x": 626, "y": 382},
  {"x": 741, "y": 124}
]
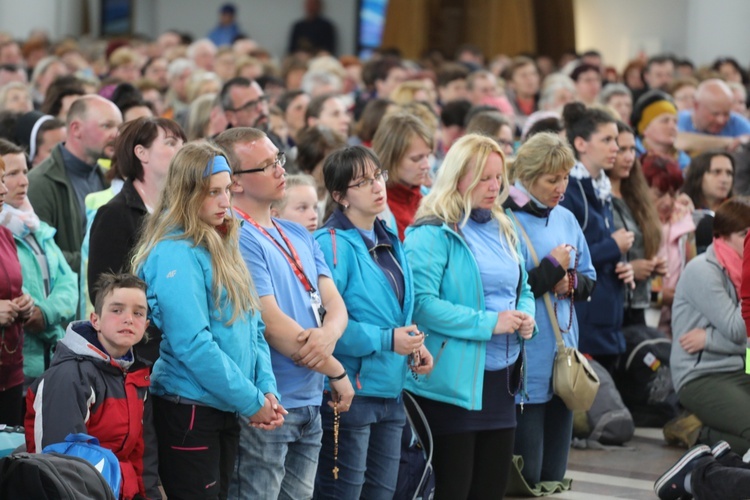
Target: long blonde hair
[
  {"x": 184, "y": 192},
  {"x": 467, "y": 155}
]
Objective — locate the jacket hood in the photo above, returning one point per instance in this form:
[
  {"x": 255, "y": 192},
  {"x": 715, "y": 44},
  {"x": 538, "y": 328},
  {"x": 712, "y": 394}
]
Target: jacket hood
[
  {"x": 80, "y": 341},
  {"x": 681, "y": 227}
]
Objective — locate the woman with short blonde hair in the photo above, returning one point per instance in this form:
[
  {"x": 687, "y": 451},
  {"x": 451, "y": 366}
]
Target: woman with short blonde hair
[{"x": 560, "y": 271}]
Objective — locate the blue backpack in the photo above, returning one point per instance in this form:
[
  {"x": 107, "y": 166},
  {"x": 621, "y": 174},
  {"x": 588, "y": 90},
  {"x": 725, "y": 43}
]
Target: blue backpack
[
  {"x": 87, "y": 447},
  {"x": 10, "y": 439}
]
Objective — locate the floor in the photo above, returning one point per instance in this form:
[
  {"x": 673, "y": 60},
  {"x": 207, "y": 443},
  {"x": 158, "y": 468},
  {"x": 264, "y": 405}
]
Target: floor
[{"x": 620, "y": 472}]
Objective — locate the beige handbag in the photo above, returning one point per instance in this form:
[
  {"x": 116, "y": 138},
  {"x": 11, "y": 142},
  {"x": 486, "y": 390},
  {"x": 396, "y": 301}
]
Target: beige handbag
[{"x": 573, "y": 379}]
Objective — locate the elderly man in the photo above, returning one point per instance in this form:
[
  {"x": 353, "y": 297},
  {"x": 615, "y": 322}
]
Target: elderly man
[
  {"x": 59, "y": 185},
  {"x": 712, "y": 124},
  {"x": 202, "y": 53}
]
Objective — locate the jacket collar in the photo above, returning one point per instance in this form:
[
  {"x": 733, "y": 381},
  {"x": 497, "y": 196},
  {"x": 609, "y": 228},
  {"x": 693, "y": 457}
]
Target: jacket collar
[
  {"x": 338, "y": 220},
  {"x": 132, "y": 197},
  {"x": 57, "y": 172},
  {"x": 520, "y": 200}
]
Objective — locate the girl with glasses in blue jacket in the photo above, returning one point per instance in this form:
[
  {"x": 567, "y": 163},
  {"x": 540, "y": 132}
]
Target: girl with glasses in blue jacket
[{"x": 370, "y": 270}]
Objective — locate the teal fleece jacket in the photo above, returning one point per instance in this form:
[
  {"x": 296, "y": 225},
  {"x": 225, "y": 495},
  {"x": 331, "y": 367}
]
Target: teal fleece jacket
[
  {"x": 449, "y": 307},
  {"x": 366, "y": 347},
  {"x": 202, "y": 358}
]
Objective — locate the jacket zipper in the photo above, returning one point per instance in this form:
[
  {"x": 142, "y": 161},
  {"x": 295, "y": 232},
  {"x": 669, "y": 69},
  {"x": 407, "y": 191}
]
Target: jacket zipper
[
  {"x": 437, "y": 358},
  {"x": 479, "y": 308}
]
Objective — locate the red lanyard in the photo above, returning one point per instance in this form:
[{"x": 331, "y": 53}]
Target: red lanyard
[{"x": 293, "y": 258}]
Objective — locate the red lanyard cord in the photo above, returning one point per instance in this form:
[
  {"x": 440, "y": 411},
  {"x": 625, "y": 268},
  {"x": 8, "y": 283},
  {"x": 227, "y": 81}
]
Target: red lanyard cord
[{"x": 291, "y": 254}]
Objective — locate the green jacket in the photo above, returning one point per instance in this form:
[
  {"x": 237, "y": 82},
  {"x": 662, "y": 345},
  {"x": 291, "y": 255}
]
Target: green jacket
[
  {"x": 54, "y": 201},
  {"x": 58, "y": 308}
]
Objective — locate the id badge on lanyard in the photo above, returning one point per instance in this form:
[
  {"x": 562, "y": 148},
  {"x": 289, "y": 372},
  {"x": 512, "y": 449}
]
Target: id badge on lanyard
[{"x": 317, "y": 307}]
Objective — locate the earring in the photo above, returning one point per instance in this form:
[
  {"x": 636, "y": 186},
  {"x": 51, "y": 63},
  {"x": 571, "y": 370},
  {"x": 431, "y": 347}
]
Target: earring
[
  {"x": 346, "y": 207},
  {"x": 562, "y": 197}
]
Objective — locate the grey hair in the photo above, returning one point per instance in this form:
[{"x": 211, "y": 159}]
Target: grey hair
[
  {"x": 190, "y": 53},
  {"x": 313, "y": 79},
  {"x": 41, "y": 68},
  {"x": 178, "y": 66},
  {"x": 552, "y": 84},
  {"x": 613, "y": 89}
]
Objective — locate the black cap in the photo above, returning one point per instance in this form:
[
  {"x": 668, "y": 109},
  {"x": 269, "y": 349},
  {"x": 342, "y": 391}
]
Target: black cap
[{"x": 27, "y": 129}]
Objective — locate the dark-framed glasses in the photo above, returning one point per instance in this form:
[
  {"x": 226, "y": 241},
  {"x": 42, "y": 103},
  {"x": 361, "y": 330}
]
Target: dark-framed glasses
[
  {"x": 280, "y": 161},
  {"x": 379, "y": 176},
  {"x": 250, "y": 104}
]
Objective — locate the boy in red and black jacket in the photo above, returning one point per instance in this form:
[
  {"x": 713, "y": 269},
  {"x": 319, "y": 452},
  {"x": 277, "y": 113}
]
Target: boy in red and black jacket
[{"x": 95, "y": 385}]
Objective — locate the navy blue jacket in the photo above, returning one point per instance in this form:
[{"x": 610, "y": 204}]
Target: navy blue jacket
[{"x": 599, "y": 319}]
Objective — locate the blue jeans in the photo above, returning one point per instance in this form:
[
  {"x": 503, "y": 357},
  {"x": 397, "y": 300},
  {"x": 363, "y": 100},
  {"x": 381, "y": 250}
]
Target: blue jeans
[
  {"x": 543, "y": 435},
  {"x": 280, "y": 463},
  {"x": 369, "y": 449}
]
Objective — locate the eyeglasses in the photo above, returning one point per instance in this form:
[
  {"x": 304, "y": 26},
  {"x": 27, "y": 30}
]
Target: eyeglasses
[
  {"x": 280, "y": 161},
  {"x": 250, "y": 104},
  {"x": 379, "y": 176}
]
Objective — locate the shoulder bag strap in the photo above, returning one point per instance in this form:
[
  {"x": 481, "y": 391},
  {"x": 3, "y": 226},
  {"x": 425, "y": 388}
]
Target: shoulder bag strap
[{"x": 547, "y": 301}]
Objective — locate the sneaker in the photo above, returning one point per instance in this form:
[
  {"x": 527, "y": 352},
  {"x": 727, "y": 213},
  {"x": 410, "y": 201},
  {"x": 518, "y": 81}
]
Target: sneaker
[
  {"x": 671, "y": 484},
  {"x": 720, "y": 449},
  {"x": 723, "y": 454}
]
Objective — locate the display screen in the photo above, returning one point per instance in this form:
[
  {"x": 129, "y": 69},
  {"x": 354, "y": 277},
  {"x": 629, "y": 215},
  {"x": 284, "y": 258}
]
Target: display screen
[{"x": 371, "y": 23}]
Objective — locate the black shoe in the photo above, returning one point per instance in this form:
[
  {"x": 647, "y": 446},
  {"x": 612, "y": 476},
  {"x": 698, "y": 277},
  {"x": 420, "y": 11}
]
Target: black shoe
[
  {"x": 671, "y": 484},
  {"x": 723, "y": 454}
]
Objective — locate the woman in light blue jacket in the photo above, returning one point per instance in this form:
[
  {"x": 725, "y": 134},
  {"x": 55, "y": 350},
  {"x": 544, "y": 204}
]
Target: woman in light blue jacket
[
  {"x": 47, "y": 277},
  {"x": 369, "y": 268},
  {"x": 473, "y": 301},
  {"x": 214, "y": 362},
  {"x": 565, "y": 272}
]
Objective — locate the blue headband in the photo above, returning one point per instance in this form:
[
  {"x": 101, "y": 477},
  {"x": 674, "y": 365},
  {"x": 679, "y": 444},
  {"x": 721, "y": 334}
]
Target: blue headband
[{"x": 216, "y": 165}]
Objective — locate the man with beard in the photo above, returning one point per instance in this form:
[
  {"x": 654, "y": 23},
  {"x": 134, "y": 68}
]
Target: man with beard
[
  {"x": 246, "y": 105},
  {"x": 59, "y": 185}
]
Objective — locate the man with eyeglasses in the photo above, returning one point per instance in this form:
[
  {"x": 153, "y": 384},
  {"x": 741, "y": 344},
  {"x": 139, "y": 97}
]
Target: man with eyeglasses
[
  {"x": 304, "y": 317},
  {"x": 246, "y": 105},
  {"x": 59, "y": 185}
]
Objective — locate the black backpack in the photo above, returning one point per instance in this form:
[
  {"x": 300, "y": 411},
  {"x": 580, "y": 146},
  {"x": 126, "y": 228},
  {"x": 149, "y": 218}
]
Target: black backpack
[
  {"x": 644, "y": 379},
  {"x": 51, "y": 476}
]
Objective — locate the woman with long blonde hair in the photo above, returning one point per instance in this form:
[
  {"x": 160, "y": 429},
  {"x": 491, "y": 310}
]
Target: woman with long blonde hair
[
  {"x": 475, "y": 306},
  {"x": 214, "y": 363}
]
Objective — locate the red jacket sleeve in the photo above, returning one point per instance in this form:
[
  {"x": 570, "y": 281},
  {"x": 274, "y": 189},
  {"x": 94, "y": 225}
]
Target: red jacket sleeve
[{"x": 745, "y": 289}]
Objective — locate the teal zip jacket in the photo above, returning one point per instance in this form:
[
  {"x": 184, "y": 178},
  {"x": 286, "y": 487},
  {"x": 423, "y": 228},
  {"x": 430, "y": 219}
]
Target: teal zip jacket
[
  {"x": 58, "y": 308},
  {"x": 227, "y": 367},
  {"x": 449, "y": 307},
  {"x": 366, "y": 347}
]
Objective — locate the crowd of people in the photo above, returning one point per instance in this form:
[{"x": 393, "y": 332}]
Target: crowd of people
[{"x": 229, "y": 269}]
